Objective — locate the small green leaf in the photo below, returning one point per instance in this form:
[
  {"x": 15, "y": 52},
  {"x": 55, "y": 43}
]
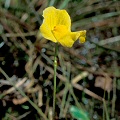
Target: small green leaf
[
  {"x": 25, "y": 107},
  {"x": 78, "y": 114}
]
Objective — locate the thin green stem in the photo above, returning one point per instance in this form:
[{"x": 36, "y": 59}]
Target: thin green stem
[
  {"x": 55, "y": 69},
  {"x": 114, "y": 97},
  {"x": 106, "y": 110},
  {"x": 63, "y": 100},
  {"x": 104, "y": 107},
  {"x": 52, "y": 2},
  {"x": 108, "y": 104},
  {"x": 64, "y": 4},
  {"x": 67, "y": 104},
  {"x": 74, "y": 97}
]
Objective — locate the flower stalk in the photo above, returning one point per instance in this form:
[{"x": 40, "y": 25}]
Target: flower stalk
[{"x": 55, "y": 69}]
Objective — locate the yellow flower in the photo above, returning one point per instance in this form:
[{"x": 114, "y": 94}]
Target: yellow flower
[{"x": 56, "y": 27}]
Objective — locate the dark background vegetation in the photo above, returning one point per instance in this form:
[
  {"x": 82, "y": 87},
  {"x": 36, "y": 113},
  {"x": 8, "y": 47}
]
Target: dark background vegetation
[{"x": 92, "y": 69}]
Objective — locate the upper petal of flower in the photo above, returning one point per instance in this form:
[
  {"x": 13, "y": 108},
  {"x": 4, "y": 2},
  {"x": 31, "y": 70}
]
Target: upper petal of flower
[{"x": 52, "y": 18}]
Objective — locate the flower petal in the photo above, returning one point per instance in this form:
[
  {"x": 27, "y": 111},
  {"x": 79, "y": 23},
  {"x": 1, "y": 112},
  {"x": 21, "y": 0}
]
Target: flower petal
[
  {"x": 75, "y": 35},
  {"x": 63, "y": 18},
  {"x": 70, "y": 37},
  {"x": 82, "y": 36},
  {"x": 82, "y": 39},
  {"x": 60, "y": 31},
  {"x": 52, "y": 18},
  {"x": 66, "y": 41},
  {"x": 63, "y": 36},
  {"x": 47, "y": 33},
  {"x": 48, "y": 23}
]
